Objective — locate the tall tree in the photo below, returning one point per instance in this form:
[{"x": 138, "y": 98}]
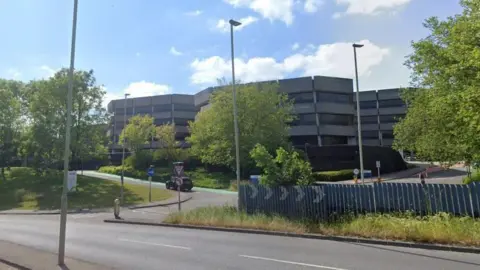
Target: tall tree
[
  {"x": 443, "y": 115},
  {"x": 264, "y": 115},
  {"x": 138, "y": 132},
  {"x": 10, "y": 114},
  {"x": 169, "y": 149}
]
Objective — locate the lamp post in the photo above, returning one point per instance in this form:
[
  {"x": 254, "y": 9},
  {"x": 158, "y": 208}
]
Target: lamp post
[
  {"x": 66, "y": 157},
  {"x": 360, "y": 147},
  {"x": 234, "y": 23},
  {"x": 123, "y": 147}
]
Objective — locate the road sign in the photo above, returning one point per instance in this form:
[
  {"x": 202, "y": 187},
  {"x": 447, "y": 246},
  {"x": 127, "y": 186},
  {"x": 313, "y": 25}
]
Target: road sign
[
  {"x": 367, "y": 173},
  {"x": 378, "y": 163},
  {"x": 150, "y": 172},
  {"x": 179, "y": 181},
  {"x": 178, "y": 169},
  {"x": 72, "y": 180},
  {"x": 356, "y": 171}
]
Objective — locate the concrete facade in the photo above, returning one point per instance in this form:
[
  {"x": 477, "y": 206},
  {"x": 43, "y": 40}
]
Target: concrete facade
[
  {"x": 380, "y": 110},
  {"x": 325, "y": 109}
]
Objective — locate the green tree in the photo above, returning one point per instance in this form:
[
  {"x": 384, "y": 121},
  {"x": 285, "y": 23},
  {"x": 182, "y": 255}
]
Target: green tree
[
  {"x": 264, "y": 115},
  {"x": 287, "y": 168},
  {"x": 10, "y": 114},
  {"x": 138, "y": 132},
  {"x": 442, "y": 120},
  {"x": 169, "y": 149}
]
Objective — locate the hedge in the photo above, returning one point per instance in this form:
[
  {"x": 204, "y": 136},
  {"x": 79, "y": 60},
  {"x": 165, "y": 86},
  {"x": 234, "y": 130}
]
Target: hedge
[
  {"x": 160, "y": 175},
  {"x": 333, "y": 176}
]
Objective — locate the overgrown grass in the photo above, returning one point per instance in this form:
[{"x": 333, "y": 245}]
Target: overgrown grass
[
  {"x": 333, "y": 176},
  {"x": 200, "y": 177},
  {"x": 23, "y": 189},
  {"x": 440, "y": 229}
]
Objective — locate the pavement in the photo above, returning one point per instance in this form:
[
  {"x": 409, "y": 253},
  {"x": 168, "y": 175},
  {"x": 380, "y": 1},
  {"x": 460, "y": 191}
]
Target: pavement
[{"x": 147, "y": 247}]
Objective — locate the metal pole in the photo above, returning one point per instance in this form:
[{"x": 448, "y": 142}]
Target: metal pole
[
  {"x": 123, "y": 148},
  {"x": 64, "y": 198},
  {"x": 150, "y": 189},
  {"x": 360, "y": 147},
  {"x": 235, "y": 120}
]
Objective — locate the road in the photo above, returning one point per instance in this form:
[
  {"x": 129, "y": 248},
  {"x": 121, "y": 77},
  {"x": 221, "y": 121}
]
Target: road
[{"x": 144, "y": 247}]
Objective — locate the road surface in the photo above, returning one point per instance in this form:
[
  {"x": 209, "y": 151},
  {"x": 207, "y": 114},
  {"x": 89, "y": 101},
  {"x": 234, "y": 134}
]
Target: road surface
[{"x": 144, "y": 247}]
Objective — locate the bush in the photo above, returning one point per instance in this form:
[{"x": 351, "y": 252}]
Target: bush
[
  {"x": 140, "y": 160},
  {"x": 333, "y": 176},
  {"x": 475, "y": 177},
  {"x": 287, "y": 168},
  {"x": 161, "y": 175}
]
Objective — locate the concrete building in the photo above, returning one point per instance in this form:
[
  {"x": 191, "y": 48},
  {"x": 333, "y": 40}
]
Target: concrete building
[
  {"x": 379, "y": 111},
  {"x": 325, "y": 108}
]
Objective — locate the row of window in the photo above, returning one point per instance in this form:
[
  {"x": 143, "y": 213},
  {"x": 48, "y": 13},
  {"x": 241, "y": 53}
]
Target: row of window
[
  {"x": 312, "y": 140},
  {"x": 321, "y": 97},
  {"x": 372, "y": 104},
  {"x": 373, "y": 119},
  {"x": 371, "y": 134},
  {"x": 324, "y": 118},
  {"x": 158, "y": 108}
]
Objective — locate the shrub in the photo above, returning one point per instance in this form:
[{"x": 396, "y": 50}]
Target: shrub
[
  {"x": 161, "y": 175},
  {"x": 140, "y": 160},
  {"x": 287, "y": 168},
  {"x": 333, "y": 176},
  {"x": 475, "y": 177}
]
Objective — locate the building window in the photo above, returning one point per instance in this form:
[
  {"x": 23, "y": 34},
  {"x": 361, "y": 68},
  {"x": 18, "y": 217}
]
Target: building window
[
  {"x": 162, "y": 108},
  {"x": 182, "y": 121},
  {"x": 335, "y": 119},
  {"x": 121, "y": 111},
  {"x": 143, "y": 110},
  {"x": 302, "y": 140},
  {"x": 184, "y": 107},
  {"x": 370, "y": 134},
  {"x": 163, "y": 121},
  {"x": 387, "y": 134},
  {"x": 391, "y": 118},
  {"x": 368, "y": 119},
  {"x": 305, "y": 120},
  {"x": 334, "y": 140},
  {"x": 368, "y": 104},
  {"x": 334, "y": 97},
  {"x": 301, "y": 97},
  {"x": 391, "y": 103}
]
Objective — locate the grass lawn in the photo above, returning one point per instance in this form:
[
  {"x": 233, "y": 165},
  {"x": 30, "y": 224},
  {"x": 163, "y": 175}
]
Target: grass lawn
[
  {"x": 25, "y": 190},
  {"x": 440, "y": 229}
]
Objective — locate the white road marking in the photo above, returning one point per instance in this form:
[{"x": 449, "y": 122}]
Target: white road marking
[
  {"x": 153, "y": 244},
  {"x": 294, "y": 263}
]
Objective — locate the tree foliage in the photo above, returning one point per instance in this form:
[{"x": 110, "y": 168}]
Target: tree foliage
[
  {"x": 443, "y": 115},
  {"x": 263, "y": 117},
  {"x": 287, "y": 168},
  {"x": 139, "y": 131},
  {"x": 169, "y": 149}
]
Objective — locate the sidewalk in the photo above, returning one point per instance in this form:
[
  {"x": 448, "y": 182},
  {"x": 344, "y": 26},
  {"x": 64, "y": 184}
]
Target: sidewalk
[{"x": 14, "y": 256}]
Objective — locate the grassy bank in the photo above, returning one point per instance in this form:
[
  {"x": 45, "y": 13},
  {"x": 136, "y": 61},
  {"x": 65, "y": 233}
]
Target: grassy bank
[
  {"x": 23, "y": 189},
  {"x": 441, "y": 228},
  {"x": 199, "y": 176}
]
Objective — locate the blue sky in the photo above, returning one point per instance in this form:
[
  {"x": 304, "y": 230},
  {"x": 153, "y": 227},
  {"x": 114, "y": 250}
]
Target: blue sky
[{"x": 152, "y": 47}]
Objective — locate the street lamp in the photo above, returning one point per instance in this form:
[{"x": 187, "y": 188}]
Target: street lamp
[
  {"x": 123, "y": 146},
  {"x": 66, "y": 157},
  {"x": 234, "y": 23},
  {"x": 360, "y": 147}
]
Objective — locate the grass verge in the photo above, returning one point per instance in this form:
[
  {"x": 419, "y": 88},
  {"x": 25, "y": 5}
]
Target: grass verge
[
  {"x": 438, "y": 229},
  {"x": 23, "y": 189}
]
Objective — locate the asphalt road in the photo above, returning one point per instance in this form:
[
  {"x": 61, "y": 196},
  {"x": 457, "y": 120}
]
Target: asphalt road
[{"x": 145, "y": 247}]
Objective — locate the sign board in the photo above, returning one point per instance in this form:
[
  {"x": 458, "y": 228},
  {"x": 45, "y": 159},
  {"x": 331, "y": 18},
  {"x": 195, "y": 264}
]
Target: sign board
[
  {"x": 150, "y": 172},
  {"x": 178, "y": 169},
  {"x": 179, "y": 181},
  {"x": 356, "y": 171},
  {"x": 367, "y": 173},
  {"x": 71, "y": 180},
  {"x": 378, "y": 163}
]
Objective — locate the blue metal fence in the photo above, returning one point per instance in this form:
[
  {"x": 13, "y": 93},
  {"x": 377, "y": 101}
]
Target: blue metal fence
[{"x": 323, "y": 201}]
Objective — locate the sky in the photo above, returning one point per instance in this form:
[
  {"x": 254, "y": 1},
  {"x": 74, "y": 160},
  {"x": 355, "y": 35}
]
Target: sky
[{"x": 151, "y": 47}]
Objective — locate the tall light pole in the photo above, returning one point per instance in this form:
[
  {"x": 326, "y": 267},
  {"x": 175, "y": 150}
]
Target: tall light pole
[
  {"x": 66, "y": 155},
  {"x": 123, "y": 146},
  {"x": 234, "y": 23},
  {"x": 360, "y": 147}
]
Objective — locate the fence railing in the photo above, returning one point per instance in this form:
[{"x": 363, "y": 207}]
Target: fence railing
[{"x": 323, "y": 201}]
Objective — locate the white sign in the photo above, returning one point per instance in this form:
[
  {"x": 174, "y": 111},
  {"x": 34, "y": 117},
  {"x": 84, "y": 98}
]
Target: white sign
[
  {"x": 179, "y": 181},
  {"x": 179, "y": 170},
  {"x": 378, "y": 163},
  {"x": 72, "y": 180},
  {"x": 356, "y": 171}
]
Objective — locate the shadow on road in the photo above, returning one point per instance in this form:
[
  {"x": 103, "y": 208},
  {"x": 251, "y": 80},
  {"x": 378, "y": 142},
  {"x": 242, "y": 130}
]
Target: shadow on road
[
  {"x": 416, "y": 254},
  {"x": 447, "y": 173},
  {"x": 13, "y": 265}
]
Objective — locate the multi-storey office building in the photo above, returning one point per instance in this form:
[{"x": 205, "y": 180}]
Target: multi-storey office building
[
  {"x": 325, "y": 109},
  {"x": 379, "y": 111}
]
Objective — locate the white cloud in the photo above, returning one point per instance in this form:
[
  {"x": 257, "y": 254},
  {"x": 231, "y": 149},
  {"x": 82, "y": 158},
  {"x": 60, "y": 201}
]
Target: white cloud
[
  {"x": 270, "y": 9},
  {"x": 328, "y": 60},
  {"x": 295, "y": 46},
  {"x": 13, "y": 73},
  {"x": 312, "y": 6},
  {"x": 224, "y": 25},
  {"x": 48, "y": 71},
  {"x": 174, "y": 51},
  {"x": 138, "y": 89},
  {"x": 369, "y": 7},
  {"x": 194, "y": 13}
]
